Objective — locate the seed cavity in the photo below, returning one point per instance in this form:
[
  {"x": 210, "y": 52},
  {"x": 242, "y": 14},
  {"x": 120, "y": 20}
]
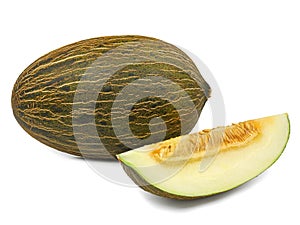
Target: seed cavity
[{"x": 205, "y": 142}]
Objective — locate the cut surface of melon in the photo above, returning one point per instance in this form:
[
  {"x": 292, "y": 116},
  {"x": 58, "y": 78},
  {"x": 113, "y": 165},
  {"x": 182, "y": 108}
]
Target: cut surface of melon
[{"x": 210, "y": 161}]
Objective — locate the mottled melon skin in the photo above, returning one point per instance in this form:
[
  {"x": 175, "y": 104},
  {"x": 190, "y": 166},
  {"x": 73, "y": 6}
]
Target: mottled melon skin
[{"x": 43, "y": 95}]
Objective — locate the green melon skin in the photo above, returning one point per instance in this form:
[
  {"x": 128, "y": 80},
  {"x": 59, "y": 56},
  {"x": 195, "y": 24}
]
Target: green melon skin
[
  {"x": 44, "y": 95},
  {"x": 146, "y": 186}
]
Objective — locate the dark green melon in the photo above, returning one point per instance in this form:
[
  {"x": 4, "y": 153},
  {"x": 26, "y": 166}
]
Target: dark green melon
[{"x": 103, "y": 96}]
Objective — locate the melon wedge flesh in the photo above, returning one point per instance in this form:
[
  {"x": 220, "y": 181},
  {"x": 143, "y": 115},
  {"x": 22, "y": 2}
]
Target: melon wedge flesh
[{"x": 208, "y": 162}]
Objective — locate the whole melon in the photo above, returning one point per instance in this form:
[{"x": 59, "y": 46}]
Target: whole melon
[{"x": 103, "y": 96}]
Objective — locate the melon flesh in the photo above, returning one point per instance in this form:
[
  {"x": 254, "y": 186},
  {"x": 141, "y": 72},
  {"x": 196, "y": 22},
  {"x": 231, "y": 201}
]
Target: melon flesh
[{"x": 211, "y": 161}]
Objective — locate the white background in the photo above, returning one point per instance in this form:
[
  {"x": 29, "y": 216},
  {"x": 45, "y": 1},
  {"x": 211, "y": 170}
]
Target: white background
[{"x": 251, "y": 47}]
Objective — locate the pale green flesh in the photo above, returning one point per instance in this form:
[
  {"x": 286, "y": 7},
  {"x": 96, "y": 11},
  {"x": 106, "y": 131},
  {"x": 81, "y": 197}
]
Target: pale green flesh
[{"x": 228, "y": 169}]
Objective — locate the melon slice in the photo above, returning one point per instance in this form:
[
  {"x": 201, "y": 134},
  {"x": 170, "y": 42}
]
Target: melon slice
[{"x": 208, "y": 162}]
